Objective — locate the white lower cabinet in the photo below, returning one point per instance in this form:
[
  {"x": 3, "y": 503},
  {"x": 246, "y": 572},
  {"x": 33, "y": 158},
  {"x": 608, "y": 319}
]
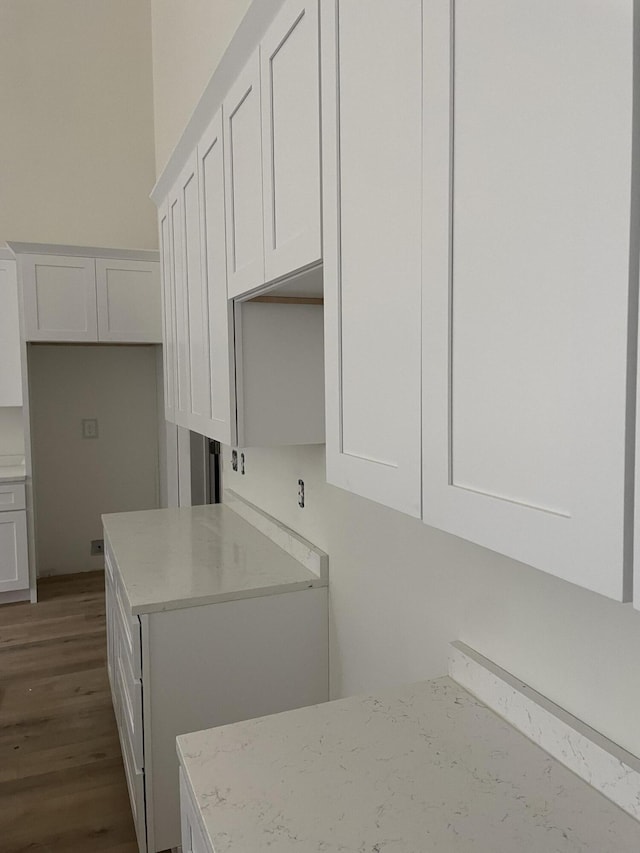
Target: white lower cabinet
[
  {"x": 14, "y": 558},
  {"x": 198, "y": 666}
]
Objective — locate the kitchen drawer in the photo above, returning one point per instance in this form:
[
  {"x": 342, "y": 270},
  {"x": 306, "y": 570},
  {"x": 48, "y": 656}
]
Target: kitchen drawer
[
  {"x": 135, "y": 784},
  {"x": 130, "y": 697},
  {"x": 129, "y": 631},
  {"x": 108, "y": 560},
  {"x": 12, "y": 496},
  {"x": 193, "y": 839}
]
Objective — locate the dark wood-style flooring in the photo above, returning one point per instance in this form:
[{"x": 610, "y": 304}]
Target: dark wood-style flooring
[{"x": 62, "y": 784}]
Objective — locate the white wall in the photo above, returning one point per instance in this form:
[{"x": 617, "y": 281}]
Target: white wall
[
  {"x": 11, "y": 431},
  {"x": 76, "y": 147},
  {"x": 76, "y": 479},
  {"x": 400, "y": 592}
]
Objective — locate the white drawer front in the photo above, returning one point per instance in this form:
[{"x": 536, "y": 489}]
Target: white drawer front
[
  {"x": 12, "y": 496},
  {"x": 135, "y": 784},
  {"x": 193, "y": 839},
  {"x": 129, "y": 629},
  {"x": 130, "y": 698}
]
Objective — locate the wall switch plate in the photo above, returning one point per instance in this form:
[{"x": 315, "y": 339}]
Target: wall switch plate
[
  {"x": 89, "y": 427},
  {"x": 301, "y": 494},
  {"x": 97, "y": 547},
  {"x": 234, "y": 460}
]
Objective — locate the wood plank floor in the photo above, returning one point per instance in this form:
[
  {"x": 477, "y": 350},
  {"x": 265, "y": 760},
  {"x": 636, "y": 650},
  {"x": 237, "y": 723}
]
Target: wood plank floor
[{"x": 62, "y": 784}]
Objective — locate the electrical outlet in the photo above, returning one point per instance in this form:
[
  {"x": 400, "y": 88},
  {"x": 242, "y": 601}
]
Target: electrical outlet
[
  {"x": 242, "y": 464},
  {"x": 301, "y": 494},
  {"x": 234, "y": 460},
  {"x": 97, "y": 547},
  {"x": 89, "y": 427}
]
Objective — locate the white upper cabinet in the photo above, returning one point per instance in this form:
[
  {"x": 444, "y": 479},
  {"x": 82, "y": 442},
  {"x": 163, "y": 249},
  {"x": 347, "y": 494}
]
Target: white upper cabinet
[
  {"x": 187, "y": 181},
  {"x": 289, "y": 66},
  {"x": 528, "y": 180},
  {"x": 10, "y": 370},
  {"x": 59, "y": 296},
  {"x": 76, "y": 298},
  {"x": 168, "y": 316},
  {"x": 243, "y": 160},
  {"x": 372, "y": 197},
  {"x": 219, "y": 420},
  {"x": 128, "y": 304}
]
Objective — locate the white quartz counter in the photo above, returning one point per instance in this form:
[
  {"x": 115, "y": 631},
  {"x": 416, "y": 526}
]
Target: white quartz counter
[
  {"x": 422, "y": 769},
  {"x": 174, "y": 558},
  {"x": 12, "y": 469}
]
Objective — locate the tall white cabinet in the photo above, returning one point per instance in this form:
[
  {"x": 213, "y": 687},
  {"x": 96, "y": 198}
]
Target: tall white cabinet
[
  {"x": 10, "y": 370},
  {"x": 372, "y": 196}
]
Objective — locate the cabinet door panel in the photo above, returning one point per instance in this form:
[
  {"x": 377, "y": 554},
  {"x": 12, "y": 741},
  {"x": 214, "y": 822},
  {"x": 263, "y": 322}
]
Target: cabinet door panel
[
  {"x": 291, "y": 139},
  {"x": 243, "y": 159},
  {"x": 526, "y": 260},
  {"x": 371, "y": 90},
  {"x": 128, "y": 295},
  {"x": 196, "y": 298},
  {"x": 10, "y": 370},
  {"x": 221, "y": 414},
  {"x": 168, "y": 316},
  {"x": 183, "y": 379},
  {"x": 59, "y": 298},
  {"x": 14, "y": 563}
]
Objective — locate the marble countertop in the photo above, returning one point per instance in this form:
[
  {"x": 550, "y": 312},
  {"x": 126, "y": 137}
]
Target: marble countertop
[
  {"x": 12, "y": 469},
  {"x": 174, "y": 558},
  {"x": 422, "y": 769}
]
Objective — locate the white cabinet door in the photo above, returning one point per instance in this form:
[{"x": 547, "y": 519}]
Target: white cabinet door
[
  {"x": 10, "y": 370},
  {"x": 372, "y": 154},
  {"x": 220, "y": 415},
  {"x": 168, "y": 316},
  {"x": 289, "y": 59},
  {"x": 129, "y": 304},
  {"x": 14, "y": 562},
  {"x": 528, "y": 177},
  {"x": 59, "y": 296},
  {"x": 176, "y": 241},
  {"x": 243, "y": 185},
  {"x": 196, "y": 301}
]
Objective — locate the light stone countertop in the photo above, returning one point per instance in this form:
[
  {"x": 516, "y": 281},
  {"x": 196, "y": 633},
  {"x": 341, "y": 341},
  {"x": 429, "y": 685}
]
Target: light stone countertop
[
  {"x": 425, "y": 768},
  {"x": 174, "y": 558},
  {"x": 12, "y": 469}
]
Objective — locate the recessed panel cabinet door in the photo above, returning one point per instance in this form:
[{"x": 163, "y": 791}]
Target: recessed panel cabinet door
[
  {"x": 372, "y": 155},
  {"x": 168, "y": 316},
  {"x": 128, "y": 295},
  {"x": 10, "y": 370},
  {"x": 221, "y": 421},
  {"x": 195, "y": 299},
  {"x": 14, "y": 563},
  {"x": 291, "y": 139},
  {"x": 527, "y": 181},
  {"x": 59, "y": 298},
  {"x": 243, "y": 181},
  {"x": 177, "y": 244}
]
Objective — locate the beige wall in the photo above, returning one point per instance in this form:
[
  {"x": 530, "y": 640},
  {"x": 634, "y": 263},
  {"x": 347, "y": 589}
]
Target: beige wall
[
  {"x": 189, "y": 39},
  {"x": 77, "y": 479},
  {"x": 11, "y": 431},
  {"x": 400, "y": 591},
  {"x": 76, "y": 146}
]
